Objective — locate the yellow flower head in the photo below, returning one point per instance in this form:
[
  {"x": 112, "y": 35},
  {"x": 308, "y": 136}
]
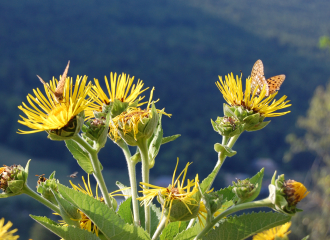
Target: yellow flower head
[
  {"x": 279, "y": 232},
  {"x": 46, "y": 113},
  {"x": 129, "y": 120},
  {"x": 232, "y": 92},
  {"x": 121, "y": 88},
  {"x": 294, "y": 191},
  {"x": 175, "y": 191},
  {"x": 4, "y": 234}
]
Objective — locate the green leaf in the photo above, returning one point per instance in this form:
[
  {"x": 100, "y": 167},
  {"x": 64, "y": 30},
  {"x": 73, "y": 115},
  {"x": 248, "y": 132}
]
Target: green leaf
[
  {"x": 125, "y": 211},
  {"x": 246, "y": 225},
  {"x": 227, "y": 151},
  {"x": 257, "y": 179},
  {"x": 26, "y": 171},
  {"x": 107, "y": 221},
  {"x": 68, "y": 211},
  {"x": 258, "y": 126},
  {"x": 118, "y": 107},
  {"x": 65, "y": 232},
  {"x": 81, "y": 155},
  {"x": 170, "y": 138},
  {"x": 172, "y": 229},
  {"x": 126, "y": 191},
  {"x": 306, "y": 238},
  {"x": 156, "y": 141},
  {"x": 155, "y": 217},
  {"x": 188, "y": 234}
]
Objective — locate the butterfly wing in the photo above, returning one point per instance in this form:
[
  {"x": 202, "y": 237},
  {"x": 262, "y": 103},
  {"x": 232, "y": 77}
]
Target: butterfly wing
[
  {"x": 60, "y": 86},
  {"x": 258, "y": 79},
  {"x": 274, "y": 83}
]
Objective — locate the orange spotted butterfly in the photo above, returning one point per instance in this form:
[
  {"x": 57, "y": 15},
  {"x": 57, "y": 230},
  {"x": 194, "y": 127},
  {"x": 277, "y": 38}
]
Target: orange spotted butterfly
[{"x": 258, "y": 80}]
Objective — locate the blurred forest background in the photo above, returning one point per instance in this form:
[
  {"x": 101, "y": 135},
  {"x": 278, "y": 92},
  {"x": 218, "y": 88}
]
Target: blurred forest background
[{"x": 180, "y": 47}]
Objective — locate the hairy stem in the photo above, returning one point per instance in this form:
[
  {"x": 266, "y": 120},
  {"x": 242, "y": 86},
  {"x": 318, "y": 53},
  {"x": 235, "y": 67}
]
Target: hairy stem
[
  {"x": 132, "y": 179},
  {"x": 143, "y": 147},
  {"x": 39, "y": 198}
]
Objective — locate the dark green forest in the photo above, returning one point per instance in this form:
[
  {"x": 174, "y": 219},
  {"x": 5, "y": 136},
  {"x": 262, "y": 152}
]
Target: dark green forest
[{"x": 180, "y": 47}]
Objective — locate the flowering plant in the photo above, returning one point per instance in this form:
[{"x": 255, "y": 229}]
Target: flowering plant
[{"x": 83, "y": 116}]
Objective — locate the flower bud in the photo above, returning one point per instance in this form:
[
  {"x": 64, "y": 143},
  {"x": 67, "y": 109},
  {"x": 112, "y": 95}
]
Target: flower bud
[
  {"x": 46, "y": 187},
  {"x": 12, "y": 179},
  {"x": 286, "y": 194},
  {"x": 227, "y": 126},
  {"x": 249, "y": 120},
  {"x": 71, "y": 129},
  {"x": 245, "y": 191},
  {"x": 134, "y": 124}
]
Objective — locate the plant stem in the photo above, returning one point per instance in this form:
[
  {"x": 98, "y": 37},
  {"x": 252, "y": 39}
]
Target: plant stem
[
  {"x": 143, "y": 147},
  {"x": 39, "y": 198},
  {"x": 224, "y": 140},
  {"x": 96, "y": 168},
  {"x": 160, "y": 228},
  {"x": 132, "y": 179},
  {"x": 261, "y": 203},
  {"x": 233, "y": 140}
]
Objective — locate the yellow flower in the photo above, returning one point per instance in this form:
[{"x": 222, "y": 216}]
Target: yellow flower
[
  {"x": 232, "y": 92},
  {"x": 174, "y": 191},
  {"x": 4, "y": 234},
  {"x": 279, "y": 232},
  {"x": 47, "y": 114},
  {"x": 129, "y": 120},
  {"x": 294, "y": 191},
  {"x": 117, "y": 89}
]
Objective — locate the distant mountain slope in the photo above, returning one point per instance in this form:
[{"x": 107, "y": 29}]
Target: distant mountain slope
[{"x": 297, "y": 23}]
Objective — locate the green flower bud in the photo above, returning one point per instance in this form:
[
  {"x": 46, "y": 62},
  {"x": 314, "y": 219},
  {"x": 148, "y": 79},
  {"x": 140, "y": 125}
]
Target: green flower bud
[
  {"x": 134, "y": 124},
  {"x": 93, "y": 128},
  {"x": 227, "y": 126},
  {"x": 46, "y": 186},
  {"x": 245, "y": 191},
  {"x": 248, "y": 119},
  {"x": 71, "y": 129}
]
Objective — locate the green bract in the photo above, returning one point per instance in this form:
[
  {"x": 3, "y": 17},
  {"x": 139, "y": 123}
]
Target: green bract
[{"x": 70, "y": 130}]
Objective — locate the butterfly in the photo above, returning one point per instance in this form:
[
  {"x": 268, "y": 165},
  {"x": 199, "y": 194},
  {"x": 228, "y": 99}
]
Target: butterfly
[
  {"x": 258, "y": 80},
  {"x": 58, "y": 94}
]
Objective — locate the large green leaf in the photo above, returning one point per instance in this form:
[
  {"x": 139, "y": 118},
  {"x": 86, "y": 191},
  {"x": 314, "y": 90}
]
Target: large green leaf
[
  {"x": 81, "y": 155},
  {"x": 243, "y": 226},
  {"x": 172, "y": 229},
  {"x": 65, "y": 232},
  {"x": 108, "y": 222},
  {"x": 188, "y": 234}
]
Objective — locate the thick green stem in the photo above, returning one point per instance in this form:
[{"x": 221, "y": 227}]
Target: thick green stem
[
  {"x": 143, "y": 147},
  {"x": 132, "y": 179},
  {"x": 160, "y": 228},
  {"x": 96, "y": 168},
  {"x": 39, "y": 198},
  {"x": 224, "y": 140},
  {"x": 261, "y": 203},
  {"x": 233, "y": 140}
]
